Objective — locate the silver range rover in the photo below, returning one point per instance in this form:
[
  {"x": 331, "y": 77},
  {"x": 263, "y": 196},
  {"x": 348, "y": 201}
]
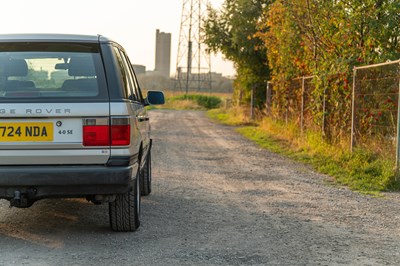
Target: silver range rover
[{"x": 73, "y": 123}]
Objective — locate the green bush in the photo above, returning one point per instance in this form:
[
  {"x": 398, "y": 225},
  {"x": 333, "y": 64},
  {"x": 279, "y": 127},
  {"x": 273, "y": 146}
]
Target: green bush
[{"x": 208, "y": 102}]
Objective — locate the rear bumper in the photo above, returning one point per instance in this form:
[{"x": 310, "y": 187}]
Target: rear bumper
[{"x": 37, "y": 182}]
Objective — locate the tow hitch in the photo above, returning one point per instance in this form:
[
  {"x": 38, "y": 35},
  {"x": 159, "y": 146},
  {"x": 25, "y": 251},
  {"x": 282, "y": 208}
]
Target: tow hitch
[{"x": 23, "y": 200}]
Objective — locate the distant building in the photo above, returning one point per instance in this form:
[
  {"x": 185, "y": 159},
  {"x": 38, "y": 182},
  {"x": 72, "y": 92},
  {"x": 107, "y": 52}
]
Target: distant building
[
  {"x": 139, "y": 69},
  {"x": 163, "y": 53}
]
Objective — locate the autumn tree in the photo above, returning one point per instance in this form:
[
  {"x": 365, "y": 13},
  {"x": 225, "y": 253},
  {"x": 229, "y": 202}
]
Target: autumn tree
[{"x": 327, "y": 39}]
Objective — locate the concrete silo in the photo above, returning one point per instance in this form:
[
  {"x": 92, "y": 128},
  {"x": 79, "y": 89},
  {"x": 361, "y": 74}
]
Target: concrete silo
[{"x": 163, "y": 53}]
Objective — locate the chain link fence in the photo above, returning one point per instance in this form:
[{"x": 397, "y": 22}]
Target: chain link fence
[
  {"x": 375, "y": 111},
  {"x": 367, "y": 115},
  {"x": 298, "y": 103}
]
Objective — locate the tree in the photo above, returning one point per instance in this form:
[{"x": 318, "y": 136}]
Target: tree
[
  {"x": 231, "y": 31},
  {"x": 327, "y": 39}
]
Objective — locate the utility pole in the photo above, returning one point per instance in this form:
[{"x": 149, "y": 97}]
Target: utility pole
[{"x": 193, "y": 64}]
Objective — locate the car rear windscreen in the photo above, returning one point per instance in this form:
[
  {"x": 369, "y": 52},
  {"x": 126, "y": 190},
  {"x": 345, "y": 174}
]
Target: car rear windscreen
[{"x": 51, "y": 72}]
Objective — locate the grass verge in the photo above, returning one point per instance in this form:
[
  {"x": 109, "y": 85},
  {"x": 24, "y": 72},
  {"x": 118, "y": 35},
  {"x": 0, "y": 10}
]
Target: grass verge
[
  {"x": 233, "y": 116},
  {"x": 361, "y": 170}
]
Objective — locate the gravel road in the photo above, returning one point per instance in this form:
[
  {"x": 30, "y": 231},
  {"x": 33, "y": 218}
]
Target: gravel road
[{"x": 217, "y": 199}]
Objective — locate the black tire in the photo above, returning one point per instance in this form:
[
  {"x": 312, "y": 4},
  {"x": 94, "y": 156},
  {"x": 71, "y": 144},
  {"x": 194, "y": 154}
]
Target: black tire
[
  {"x": 124, "y": 212},
  {"x": 145, "y": 177}
]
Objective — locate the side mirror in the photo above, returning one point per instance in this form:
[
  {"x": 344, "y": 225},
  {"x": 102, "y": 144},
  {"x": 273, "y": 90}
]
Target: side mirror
[{"x": 155, "y": 97}]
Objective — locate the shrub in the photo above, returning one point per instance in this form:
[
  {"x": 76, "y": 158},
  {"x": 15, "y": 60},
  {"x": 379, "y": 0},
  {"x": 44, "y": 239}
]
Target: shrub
[{"x": 208, "y": 102}]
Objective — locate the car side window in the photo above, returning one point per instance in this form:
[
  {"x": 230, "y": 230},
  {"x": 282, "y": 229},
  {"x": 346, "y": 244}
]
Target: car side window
[
  {"x": 126, "y": 80},
  {"x": 134, "y": 96},
  {"x": 136, "y": 86}
]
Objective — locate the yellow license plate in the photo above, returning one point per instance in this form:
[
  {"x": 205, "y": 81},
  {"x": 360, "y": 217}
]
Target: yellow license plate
[{"x": 26, "y": 132}]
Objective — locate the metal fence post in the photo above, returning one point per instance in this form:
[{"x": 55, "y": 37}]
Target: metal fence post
[
  {"x": 302, "y": 106},
  {"x": 268, "y": 101},
  {"x": 287, "y": 106},
  {"x": 323, "y": 114},
  {"x": 398, "y": 129},
  {"x": 353, "y": 108},
  {"x": 252, "y": 103}
]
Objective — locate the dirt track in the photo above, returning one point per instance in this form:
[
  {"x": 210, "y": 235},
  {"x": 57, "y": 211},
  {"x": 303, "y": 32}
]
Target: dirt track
[{"x": 217, "y": 200}]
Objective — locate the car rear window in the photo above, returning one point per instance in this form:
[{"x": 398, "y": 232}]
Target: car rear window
[{"x": 51, "y": 71}]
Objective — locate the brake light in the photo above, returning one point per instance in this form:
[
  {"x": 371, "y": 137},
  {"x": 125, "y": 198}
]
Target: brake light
[
  {"x": 120, "y": 131},
  {"x": 96, "y": 135},
  {"x": 98, "y": 132},
  {"x": 120, "y": 135}
]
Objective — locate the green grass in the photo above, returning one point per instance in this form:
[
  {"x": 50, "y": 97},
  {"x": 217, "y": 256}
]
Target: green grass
[
  {"x": 263, "y": 139},
  {"x": 232, "y": 117},
  {"x": 208, "y": 102},
  {"x": 360, "y": 171},
  {"x": 192, "y": 102},
  {"x": 224, "y": 118}
]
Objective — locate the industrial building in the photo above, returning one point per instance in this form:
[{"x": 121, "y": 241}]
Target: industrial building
[
  {"x": 139, "y": 69},
  {"x": 163, "y": 53}
]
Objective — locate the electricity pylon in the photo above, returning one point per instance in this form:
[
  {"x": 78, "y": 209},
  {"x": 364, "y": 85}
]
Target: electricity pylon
[{"x": 193, "y": 64}]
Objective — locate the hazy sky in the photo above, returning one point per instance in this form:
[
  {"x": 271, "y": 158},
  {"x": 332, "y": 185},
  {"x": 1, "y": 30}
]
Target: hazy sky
[{"x": 132, "y": 23}]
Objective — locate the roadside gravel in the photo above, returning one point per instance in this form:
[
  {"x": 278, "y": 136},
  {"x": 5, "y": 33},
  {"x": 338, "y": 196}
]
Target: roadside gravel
[{"x": 217, "y": 199}]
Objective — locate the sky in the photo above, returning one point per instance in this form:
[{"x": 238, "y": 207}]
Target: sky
[{"x": 131, "y": 23}]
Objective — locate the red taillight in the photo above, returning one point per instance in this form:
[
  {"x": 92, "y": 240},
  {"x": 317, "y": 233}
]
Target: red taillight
[
  {"x": 96, "y": 135},
  {"x": 120, "y": 135},
  {"x": 98, "y": 132}
]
